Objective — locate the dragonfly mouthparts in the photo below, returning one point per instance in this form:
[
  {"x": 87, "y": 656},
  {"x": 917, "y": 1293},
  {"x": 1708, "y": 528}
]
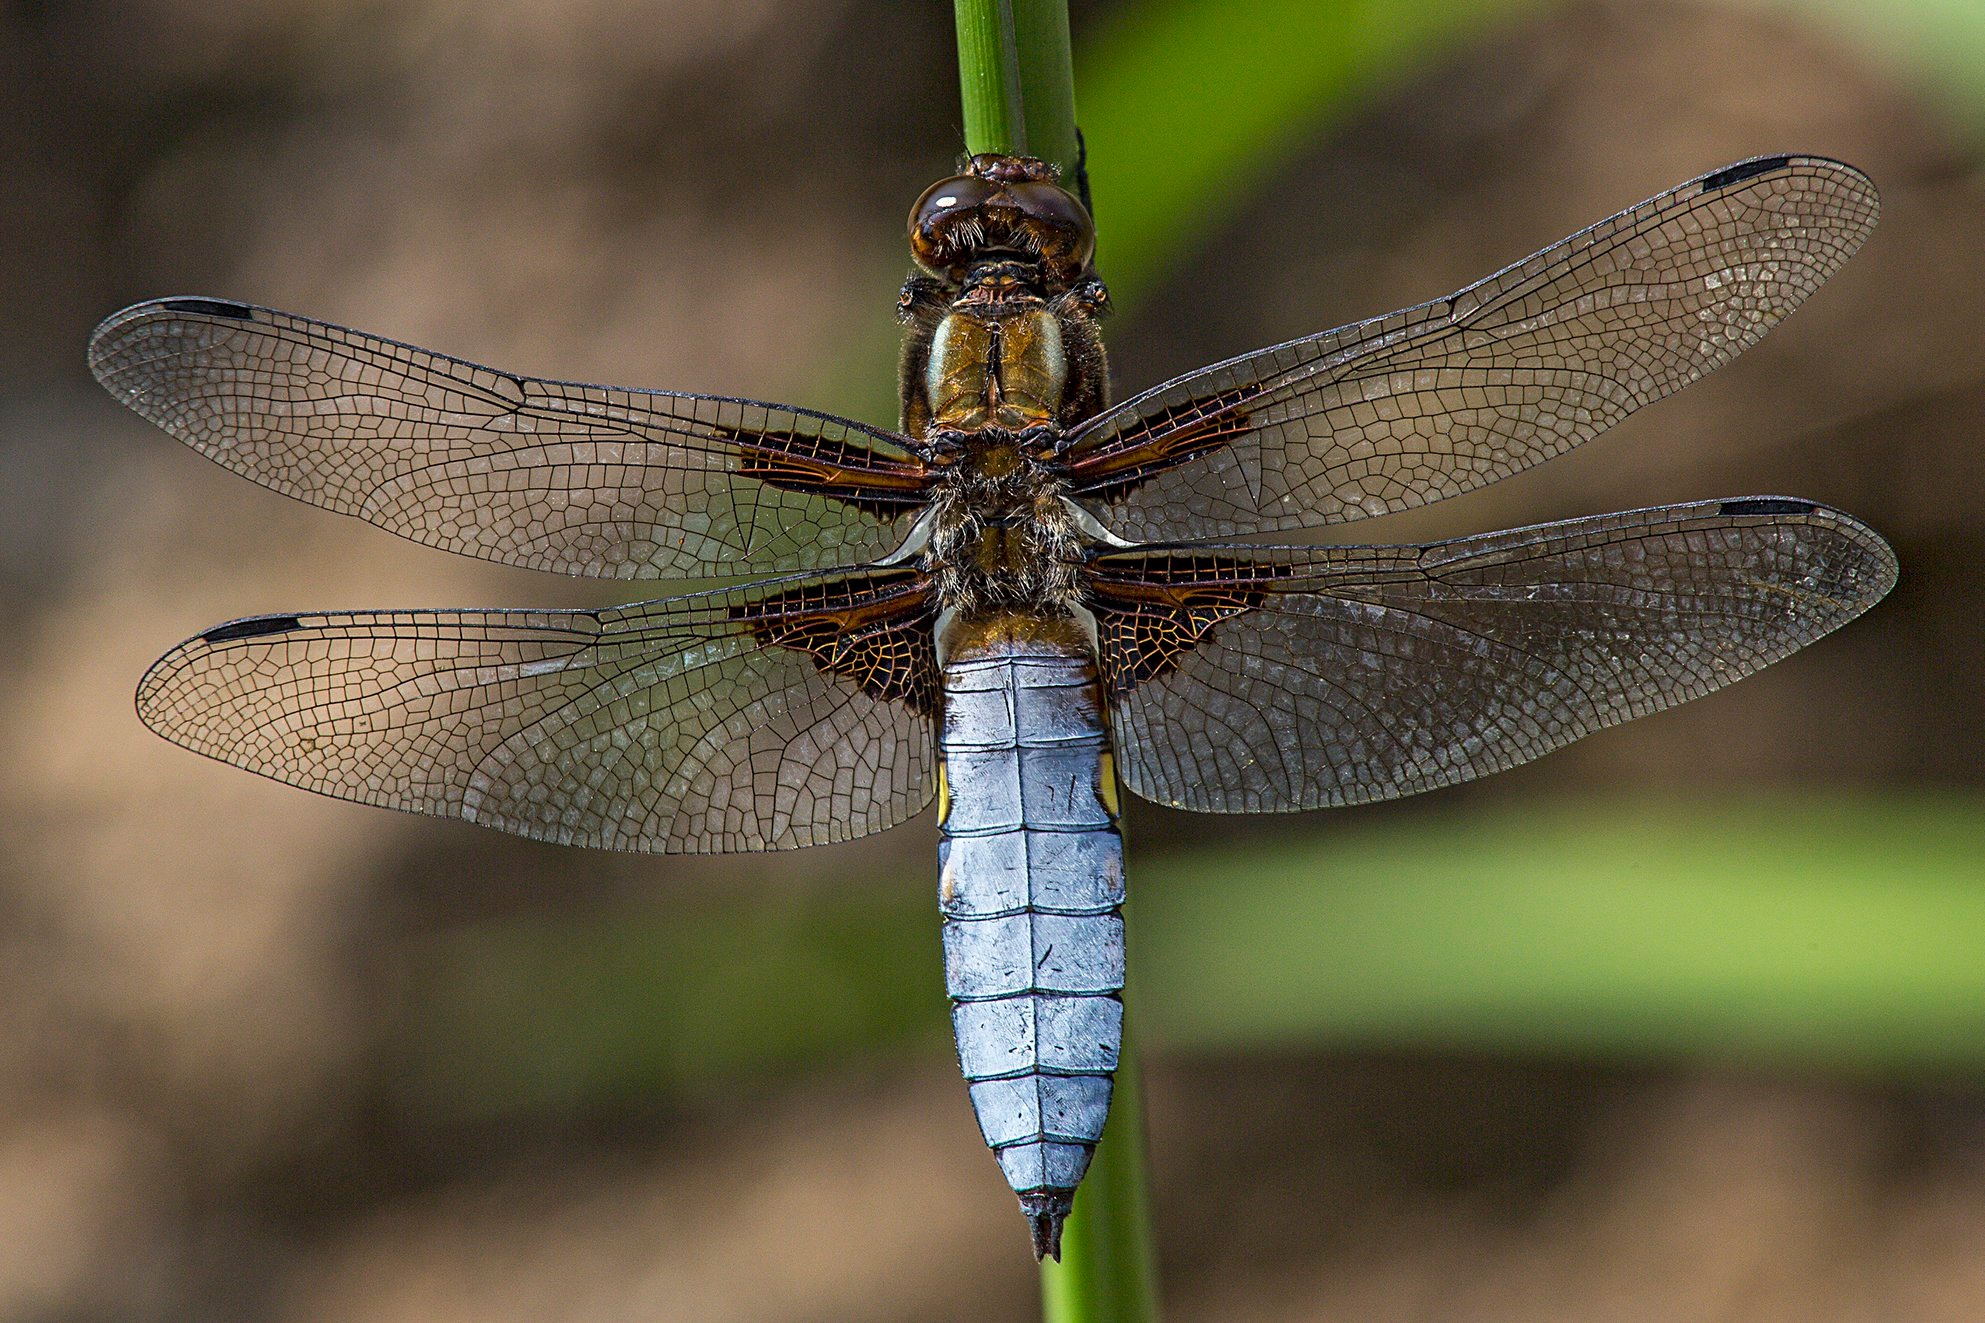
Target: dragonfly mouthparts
[{"x": 1046, "y": 1210}]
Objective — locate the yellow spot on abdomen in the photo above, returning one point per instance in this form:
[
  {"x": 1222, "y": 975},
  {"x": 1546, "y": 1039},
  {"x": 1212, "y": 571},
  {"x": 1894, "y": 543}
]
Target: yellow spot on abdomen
[{"x": 1106, "y": 785}]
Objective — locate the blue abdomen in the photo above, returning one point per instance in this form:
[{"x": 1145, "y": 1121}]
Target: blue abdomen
[{"x": 1031, "y": 885}]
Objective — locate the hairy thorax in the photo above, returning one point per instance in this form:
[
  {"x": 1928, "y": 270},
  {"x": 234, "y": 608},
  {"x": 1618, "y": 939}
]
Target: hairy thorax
[
  {"x": 1002, "y": 533},
  {"x": 994, "y": 376}
]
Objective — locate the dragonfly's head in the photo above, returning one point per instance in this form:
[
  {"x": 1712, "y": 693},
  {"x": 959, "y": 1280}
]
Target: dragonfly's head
[{"x": 1002, "y": 206}]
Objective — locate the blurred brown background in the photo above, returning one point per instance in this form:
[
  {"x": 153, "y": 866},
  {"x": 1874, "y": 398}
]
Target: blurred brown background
[{"x": 205, "y": 978}]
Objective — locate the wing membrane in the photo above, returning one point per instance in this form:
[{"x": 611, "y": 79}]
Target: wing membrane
[
  {"x": 585, "y": 480},
  {"x": 1454, "y": 394},
  {"x": 784, "y": 714},
  {"x": 1274, "y": 679}
]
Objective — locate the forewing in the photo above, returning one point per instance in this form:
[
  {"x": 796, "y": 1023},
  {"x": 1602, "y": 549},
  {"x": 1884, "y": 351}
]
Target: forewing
[
  {"x": 784, "y": 714},
  {"x": 585, "y": 480},
  {"x": 1270, "y": 679},
  {"x": 1452, "y": 395}
]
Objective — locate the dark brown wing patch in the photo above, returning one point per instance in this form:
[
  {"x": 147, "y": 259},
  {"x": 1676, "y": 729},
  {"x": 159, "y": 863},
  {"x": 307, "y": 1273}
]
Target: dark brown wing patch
[
  {"x": 1151, "y": 611},
  {"x": 874, "y": 631},
  {"x": 1178, "y": 434},
  {"x": 795, "y": 461}
]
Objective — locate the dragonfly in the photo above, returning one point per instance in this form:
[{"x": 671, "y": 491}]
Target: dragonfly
[{"x": 1024, "y": 599}]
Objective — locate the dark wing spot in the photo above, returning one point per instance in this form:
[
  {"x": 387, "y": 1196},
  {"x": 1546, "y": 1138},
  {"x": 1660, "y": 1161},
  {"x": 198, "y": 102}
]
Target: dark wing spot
[
  {"x": 798, "y": 462},
  {"x": 1153, "y": 609},
  {"x": 1163, "y": 440},
  {"x": 241, "y": 312},
  {"x": 874, "y": 631},
  {"x": 1738, "y": 173},
  {"x": 252, "y": 628},
  {"x": 1767, "y": 505}
]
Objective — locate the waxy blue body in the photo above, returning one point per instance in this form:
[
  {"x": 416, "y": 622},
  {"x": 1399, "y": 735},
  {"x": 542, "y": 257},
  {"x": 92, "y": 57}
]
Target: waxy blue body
[{"x": 1031, "y": 886}]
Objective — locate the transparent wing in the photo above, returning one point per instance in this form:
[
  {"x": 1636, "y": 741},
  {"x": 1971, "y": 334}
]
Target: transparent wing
[
  {"x": 784, "y": 714},
  {"x": 1452, "y": 395},
  {"x": 585, "y": 480},
  {"x": 1270, "y": 679}
]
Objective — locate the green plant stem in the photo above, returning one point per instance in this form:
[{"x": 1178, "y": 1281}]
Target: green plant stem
[
  {"x": 1016, "y": 79},
  {"x": 1107, "y": 1272}
]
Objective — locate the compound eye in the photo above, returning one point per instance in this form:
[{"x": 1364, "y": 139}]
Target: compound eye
[
  {"x": 1070, "y": 240},
  {"x": 948, "y": 196},
  {"x": 932, "y": 217}
]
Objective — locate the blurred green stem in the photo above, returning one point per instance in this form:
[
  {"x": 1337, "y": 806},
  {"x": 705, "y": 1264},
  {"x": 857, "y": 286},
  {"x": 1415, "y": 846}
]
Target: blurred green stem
[
  {"x": 1107, "y": 1272},
  {"x": 1017, "y": 82},
  {"x": 1016, "y": 79}
]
